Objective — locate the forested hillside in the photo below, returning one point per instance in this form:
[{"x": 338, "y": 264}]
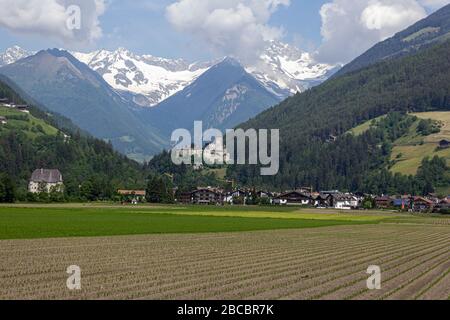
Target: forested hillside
[
  {"x": 420, "y": 82},
  {"x": 90, "y": 167}
]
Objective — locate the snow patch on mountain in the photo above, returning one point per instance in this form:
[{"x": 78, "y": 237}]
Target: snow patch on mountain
[
  {"x": 150, "y": 79},
  {"x": 285, "y": 70},
  {"x": 13, "y": 54}
]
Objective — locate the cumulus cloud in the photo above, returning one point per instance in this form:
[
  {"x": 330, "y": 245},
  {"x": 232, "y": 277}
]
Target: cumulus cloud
[
  {"x": 434, "y": 4},
  {"x": 351, "y": 27},
  {"x": 48, "y": 18},
  {"x": 236, "y": 28}
]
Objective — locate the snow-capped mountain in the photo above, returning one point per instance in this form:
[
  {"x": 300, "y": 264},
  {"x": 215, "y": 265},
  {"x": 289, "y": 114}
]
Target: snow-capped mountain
[
  {"x": 222, "y": 97},
  {"x": 148, "y": 79},
  {"x": 285, "y": 70},
  {"x": 13, "y": 54}
]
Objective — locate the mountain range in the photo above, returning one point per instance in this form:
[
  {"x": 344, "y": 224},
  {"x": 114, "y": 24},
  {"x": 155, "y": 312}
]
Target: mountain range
[
  {"x": 136, "y": 101},
  {"x": 147, "y": 80}
]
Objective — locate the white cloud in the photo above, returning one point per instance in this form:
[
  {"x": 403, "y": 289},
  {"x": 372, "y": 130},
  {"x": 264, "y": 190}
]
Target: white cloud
[
  {"x": 48, "y": 18},
  {"x": 351, "y": 27},
  {"x": 434, "y": 4},
  {"x": 229, "y": 27}
]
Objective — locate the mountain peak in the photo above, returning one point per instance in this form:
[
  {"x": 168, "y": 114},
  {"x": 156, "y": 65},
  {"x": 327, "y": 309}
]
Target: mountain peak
[
  {"x": 231, "y": 61},
  {"x": 15, "y": 48},
  {"x": 284, "y": 69},
  {"x": 121, "y": 51},
  {"x": 13, "y": 54},
  {"x": 56, "y": 52}
]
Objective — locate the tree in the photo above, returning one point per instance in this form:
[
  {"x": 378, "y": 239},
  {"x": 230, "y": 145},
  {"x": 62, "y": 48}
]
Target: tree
[
  {"x": 159, "y": 190},
  {"x": 86, "y": 191},
  {"x": 7, "y": 190},
  {"x": 368, "y": 203}
]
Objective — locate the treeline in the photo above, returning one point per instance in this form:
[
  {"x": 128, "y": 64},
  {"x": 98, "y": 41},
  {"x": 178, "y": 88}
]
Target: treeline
[{"x": 416, "y": 83}]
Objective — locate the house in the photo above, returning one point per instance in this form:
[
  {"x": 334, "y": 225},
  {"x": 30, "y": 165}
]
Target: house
[
  {"x": 444, "y": 144},
  {"x": 3, "y": 120},
  {"x": 403, "y": 202},
  {"x": 324, "y": 198},
  {"x": 207, "y": 196},
  {"x": 293, "y": 198},
  {"x": 4, "y": 100},
  {"x": 243, "y": 195},
  {"x": 344, "y": 201},
  {"x": 132, "y": 196},
  {"x": 22, "y": 108},
  {"x": 443, "y": 206},
  {"x": 239, "y": 193},
  {"x": 420, "y": 204},
  {"x": 46, "y": 181},
  {"x": 263, "y": 194},
  {"x": 332, "y": 138},
  {"x": 383, "y": 202},
  {"x": 184, "y": 198}
]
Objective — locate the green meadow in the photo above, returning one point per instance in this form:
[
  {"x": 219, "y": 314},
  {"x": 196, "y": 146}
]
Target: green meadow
[
  {"x": 27, "y": 123},
  {"x": 30, "y": 222}
]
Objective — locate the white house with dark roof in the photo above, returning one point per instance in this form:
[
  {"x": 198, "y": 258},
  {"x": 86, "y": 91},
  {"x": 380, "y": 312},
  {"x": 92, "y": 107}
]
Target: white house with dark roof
[{"x": 46, "y": 180}]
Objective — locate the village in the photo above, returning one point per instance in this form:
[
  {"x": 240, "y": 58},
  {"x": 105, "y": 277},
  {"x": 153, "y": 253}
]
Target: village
[
  {"x": 303, "y": 198},
  {"x": 306, "y": 197},
  {"x": 46, "y": 180}
]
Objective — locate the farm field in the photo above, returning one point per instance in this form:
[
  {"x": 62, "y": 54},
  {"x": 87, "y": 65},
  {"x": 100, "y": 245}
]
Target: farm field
[
  {"x": 317, "y": 263},
  {"x": 17, "y": 222},
  {"x": 176, "y": 252}
]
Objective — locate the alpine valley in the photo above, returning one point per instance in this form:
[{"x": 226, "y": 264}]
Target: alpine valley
[
  {"x": 135, "y": 101},
  {"x": 375, "y": 127}
]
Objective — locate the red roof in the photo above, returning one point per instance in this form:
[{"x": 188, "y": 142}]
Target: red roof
[
  {"x": 423, "y": 200},
  {"x": 131, "y": 192}
]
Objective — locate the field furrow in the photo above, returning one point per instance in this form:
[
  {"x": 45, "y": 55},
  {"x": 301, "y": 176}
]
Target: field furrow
[{"x": 323, "y": 263}]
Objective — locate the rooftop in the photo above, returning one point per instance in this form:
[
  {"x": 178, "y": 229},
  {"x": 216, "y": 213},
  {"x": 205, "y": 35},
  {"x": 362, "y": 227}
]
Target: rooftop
[{"x": 47, "y": 176}]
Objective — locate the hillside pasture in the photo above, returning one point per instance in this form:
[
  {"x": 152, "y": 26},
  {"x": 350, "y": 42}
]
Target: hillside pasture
[
  {"x": 27, "y": 123},
  {"x": 410, "y": 150}
]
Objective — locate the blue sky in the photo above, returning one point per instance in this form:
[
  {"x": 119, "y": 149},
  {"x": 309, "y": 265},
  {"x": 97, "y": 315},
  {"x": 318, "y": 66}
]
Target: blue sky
[{"x": 142, "y": 26}]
